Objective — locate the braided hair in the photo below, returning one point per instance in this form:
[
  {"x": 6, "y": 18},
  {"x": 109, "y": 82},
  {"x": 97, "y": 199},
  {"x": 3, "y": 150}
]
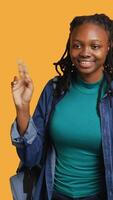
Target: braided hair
[{"x": 66, "y": 65}]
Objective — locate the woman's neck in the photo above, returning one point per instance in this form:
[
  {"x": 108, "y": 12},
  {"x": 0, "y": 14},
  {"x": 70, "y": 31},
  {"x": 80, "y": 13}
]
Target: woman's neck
[{"x": 90, "y": 79}]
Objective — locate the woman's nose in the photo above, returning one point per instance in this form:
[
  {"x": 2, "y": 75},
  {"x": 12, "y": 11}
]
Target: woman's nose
[{"x": 85, "y": 52}]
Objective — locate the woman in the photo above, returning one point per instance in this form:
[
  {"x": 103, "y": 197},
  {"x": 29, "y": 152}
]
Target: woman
[{"x": 73, "y": 117}]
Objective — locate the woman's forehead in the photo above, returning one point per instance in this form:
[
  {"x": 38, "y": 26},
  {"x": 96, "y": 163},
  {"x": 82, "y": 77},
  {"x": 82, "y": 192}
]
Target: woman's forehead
[{"x": 89, "y": 31}]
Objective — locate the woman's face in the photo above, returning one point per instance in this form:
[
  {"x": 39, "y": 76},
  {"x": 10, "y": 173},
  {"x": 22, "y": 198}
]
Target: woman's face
[{"x": 89, "y": 47}]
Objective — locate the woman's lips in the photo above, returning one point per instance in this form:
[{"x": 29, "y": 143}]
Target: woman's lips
[{"x": 85, "y": 64}]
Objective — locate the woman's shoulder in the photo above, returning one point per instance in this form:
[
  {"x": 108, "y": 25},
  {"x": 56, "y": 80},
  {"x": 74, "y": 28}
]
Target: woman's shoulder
[{"x": 53, "y": 81}]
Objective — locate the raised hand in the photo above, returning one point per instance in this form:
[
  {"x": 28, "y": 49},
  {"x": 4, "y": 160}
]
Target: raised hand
[
  {"x": 22, "y": 87},
  {"x": 22, "y": 90}
]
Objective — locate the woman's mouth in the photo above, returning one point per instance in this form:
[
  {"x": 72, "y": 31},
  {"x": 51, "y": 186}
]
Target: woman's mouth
[{"x": 85, "y": 63}]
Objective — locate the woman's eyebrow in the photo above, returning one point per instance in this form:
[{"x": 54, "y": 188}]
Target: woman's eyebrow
[{"x": 93, "y": 40}]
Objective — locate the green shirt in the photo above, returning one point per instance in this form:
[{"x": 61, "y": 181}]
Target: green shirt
[{"x": 75, "y": 132}]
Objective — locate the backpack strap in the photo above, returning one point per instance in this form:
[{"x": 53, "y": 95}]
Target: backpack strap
[{"x": 30, "y": 180}]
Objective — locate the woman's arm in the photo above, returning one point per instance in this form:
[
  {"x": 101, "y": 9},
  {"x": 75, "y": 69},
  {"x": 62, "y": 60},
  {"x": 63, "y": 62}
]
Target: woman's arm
[{"x": 29, "y": 138}]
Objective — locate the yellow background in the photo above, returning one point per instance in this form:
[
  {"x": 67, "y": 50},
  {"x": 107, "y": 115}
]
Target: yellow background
[{"x": 35, "y": 31}]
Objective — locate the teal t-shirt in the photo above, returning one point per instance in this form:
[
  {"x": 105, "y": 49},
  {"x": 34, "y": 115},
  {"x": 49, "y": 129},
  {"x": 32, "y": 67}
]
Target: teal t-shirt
[{"x": 75, "y": 132}]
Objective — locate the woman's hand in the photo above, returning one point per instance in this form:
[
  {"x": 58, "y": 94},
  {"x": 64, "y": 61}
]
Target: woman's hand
[
  {"x": 22, "y": 90},
  {"x": 22, "y": 87}
]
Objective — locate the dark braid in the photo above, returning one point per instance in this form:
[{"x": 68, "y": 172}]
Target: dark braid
[{"x": 65, "y": 62}]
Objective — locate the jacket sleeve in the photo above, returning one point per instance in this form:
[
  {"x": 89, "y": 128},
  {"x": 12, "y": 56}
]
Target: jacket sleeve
[{"x": 30, "y": 146}]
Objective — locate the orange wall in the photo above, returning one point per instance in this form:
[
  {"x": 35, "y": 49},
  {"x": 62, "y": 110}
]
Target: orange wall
[{"x": 35, "y": 31}]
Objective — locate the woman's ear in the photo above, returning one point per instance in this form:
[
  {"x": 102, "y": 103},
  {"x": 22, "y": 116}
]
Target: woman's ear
[{"x": 110, "y": 45}]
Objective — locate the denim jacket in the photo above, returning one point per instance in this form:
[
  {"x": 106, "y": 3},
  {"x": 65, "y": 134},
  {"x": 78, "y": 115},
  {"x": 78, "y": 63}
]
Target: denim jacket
[{"x": 30, "y": 147}]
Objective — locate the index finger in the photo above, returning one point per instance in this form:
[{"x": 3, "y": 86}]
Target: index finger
[{"x": 22, "y": 68}]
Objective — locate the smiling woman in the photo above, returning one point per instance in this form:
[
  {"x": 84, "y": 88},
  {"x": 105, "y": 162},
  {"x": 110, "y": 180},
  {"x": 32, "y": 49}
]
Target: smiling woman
[
  {"x": 89, "y": 46},
  {"x": 71, "y": 131}
]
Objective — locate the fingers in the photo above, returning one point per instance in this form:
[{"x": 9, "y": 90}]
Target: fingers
[
  {"x": 14, "y": 82},
  {"x": 24, "y": 79},
  {"x": 23, "y": 72},
  {"x": 15, "y": 79}
]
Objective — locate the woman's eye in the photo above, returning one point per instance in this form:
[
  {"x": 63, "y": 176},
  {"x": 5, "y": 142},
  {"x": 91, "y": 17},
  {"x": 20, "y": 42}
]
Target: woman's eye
[
  {"x": 76, "y": 46},
  {"x": 95, "y": 47}
]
